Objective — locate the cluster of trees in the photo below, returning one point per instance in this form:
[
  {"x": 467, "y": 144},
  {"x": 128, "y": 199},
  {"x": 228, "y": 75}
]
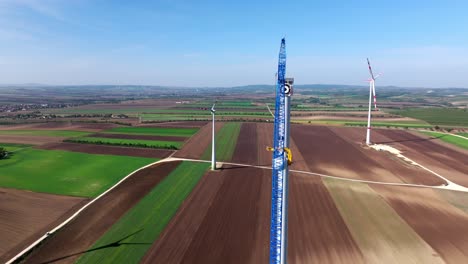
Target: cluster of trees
[{"x": 3, "y": 153}]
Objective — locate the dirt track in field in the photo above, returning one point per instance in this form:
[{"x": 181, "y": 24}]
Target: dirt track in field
[
  {"x": 447, "y": 161},
  {"x": 79, "y": 235},
  {"x": 195, "y": 146},
  {"x": 441, "y": 225},
  {"x": 143, "y": 137},
  {"x": 25, "y": 216},
  {"x": 109, "y": 150}
]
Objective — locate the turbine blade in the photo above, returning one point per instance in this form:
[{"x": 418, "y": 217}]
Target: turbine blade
[
  {"x": 370, "y": 69},
  {"x": 375, "y": 95}
]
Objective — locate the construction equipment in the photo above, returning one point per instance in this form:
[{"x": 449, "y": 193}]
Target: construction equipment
[
  {"x": 279, "y": 192},
  {"x": 288, "y": 153}
]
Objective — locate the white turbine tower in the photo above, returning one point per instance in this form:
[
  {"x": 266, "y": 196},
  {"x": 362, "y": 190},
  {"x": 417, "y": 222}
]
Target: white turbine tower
[
  {"x": 213, "y": 148},
  {"x": 371, "y": 92}
]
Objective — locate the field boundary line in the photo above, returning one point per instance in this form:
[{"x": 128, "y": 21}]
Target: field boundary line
[
  {"x": 47, "y": 234},
  {"x": 449, "y": 186}
]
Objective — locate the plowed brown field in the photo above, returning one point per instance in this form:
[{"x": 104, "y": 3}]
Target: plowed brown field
[
  {"x": 446, "y": 161},
  {"x": 25, "y": 216},
  {"x": 442, "y": 226},
  {"x": 30, "y": 140},
  {"x": 195, "y": 146},
  {"x": 75, "y": 238}
]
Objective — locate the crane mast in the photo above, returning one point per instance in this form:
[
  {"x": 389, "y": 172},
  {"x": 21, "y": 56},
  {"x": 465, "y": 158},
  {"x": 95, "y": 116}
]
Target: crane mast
[{"x": 279, "y": 195}]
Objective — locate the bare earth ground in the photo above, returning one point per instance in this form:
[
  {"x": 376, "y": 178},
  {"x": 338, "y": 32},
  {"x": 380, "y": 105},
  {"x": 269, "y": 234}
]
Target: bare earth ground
[
  {"x": 79, "y": 235},
  {"x": 449, "y": 162},
  {"x": 389, "y": 164},
  {"x": 226, "y": 218},
  {"x": 195, "y": 146},
  {"x": 332, "y": 153},
  {"x": 143, "y": 137},
  {"x": 25, "y": 216},
  {"x": 442, "y": 226},
  {"x": 30, "y": 140},
  {"x": 109, "y": 150}
]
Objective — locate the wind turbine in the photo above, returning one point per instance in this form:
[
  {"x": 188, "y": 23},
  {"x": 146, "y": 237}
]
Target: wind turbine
[
  {"x": 371, "y": 92},
  {"x": 213, "y": 149}
]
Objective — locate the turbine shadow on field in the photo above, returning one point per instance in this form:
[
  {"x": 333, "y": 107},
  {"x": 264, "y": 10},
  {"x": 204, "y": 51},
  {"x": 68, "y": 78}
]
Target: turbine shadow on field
[
  {"x": 410, "y": 140},
  {"x": 117, "y": 243},
  {"x": 233, "y": 167}
]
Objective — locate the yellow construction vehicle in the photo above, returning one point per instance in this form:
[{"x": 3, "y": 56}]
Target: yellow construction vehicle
[{"x": 288, "y": 153}]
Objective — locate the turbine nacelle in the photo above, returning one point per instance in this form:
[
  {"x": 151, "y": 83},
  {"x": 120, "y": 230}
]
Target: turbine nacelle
[{"x": 212, "y": 109}]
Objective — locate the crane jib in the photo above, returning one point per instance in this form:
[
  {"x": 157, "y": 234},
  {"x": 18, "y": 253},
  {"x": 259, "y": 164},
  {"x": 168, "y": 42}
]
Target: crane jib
[{"x": 278, "y": 202}]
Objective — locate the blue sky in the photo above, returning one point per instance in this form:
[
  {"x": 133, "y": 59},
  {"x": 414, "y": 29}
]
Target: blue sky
[{"x": 226, "y": 43}]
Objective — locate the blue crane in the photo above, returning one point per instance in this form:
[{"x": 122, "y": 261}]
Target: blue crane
[{"x": 279, "y": 196}]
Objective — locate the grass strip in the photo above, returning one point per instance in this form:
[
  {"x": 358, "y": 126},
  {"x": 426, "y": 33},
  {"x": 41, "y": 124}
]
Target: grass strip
[
  {"x": 458, "y": 141},
  {"x": 128, "y": 142},
  {"x": 156, "y": 131},
  {"x": 128, "y": 240},
  {"x": 226, "y": 140}
]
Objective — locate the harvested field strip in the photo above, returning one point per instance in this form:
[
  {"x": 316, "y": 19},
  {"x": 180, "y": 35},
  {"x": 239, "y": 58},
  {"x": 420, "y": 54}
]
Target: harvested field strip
[
  {"x": 317, "y": 232},
  {"x": 379, "y": 231},
  {"x": 127, "y": 142},
  {"x": 25, "y": 216},
  {"x": 109, "y": 150},
  {"x": 226, "y": 140},
  {"x": 458, "y": 141},
  {"x": 49, "y": 133},
  {"x": 140, "y": 226},
  {"x": 143, "y": 137},
  {"x": 196, "y": 145},
  {"x": 75, "y": 238},
  {"x": 154, "y": 131},
  {"x": 63, "y": 172},
  {"x": 441, "y": 225}
]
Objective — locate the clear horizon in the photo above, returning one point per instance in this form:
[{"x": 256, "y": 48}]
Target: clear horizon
[{"x": 217, "y": 44}]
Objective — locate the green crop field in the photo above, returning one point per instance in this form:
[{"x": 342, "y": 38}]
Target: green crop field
[
  {"x": 63, "y": 172},
  {"x": 128, "y": 142},
  {"x": 226, "y": 140},
  {"x": 438, "y": 116},
  {"x": 12, "y": 147},
  {"x": 155, "y": 131},
  {"x": 49, "y": 133},
  {"x": 458, "y": 141},
  {"x": 463, "y": 134},
  {"x": 142, "y": 224}
]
